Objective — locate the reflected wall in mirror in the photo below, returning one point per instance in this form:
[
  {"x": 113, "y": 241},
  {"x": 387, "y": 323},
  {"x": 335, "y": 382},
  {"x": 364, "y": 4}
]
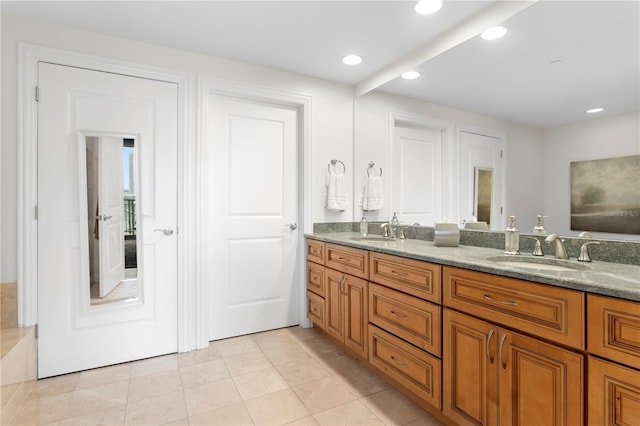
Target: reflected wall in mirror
[{"x": 110, "y": 255}]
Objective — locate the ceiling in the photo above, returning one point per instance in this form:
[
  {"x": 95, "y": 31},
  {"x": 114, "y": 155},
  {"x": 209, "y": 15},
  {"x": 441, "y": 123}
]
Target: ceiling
[{"x": 597, "y": 43}]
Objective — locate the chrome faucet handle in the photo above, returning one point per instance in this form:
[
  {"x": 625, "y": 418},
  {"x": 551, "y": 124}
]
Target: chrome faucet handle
[
  {"x": 584, "y": 251},
  {"x": 561, "y": 251},
  {"x": 537, "y": 249},
  {"x": 385, "y": 229},
  {"x": 401, "y": 232}
]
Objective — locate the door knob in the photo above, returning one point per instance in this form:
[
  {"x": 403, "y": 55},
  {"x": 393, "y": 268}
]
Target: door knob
[
  {"x": 293, "y": 226},
  {"x": 167, "y": 232},
  {"x": 103, "y": 217}
]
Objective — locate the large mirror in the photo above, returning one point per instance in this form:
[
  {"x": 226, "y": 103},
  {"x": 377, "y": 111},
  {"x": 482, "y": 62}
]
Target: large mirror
[
  {"x": 529, "y": 94},
  {"x": 108, "y": 189}
]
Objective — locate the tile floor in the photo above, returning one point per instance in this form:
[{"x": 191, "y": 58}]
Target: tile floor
[{"x": 290, "y": 376}]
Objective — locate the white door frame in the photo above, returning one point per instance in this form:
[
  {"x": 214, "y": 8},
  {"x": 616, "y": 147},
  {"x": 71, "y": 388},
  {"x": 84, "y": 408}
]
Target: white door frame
[
  {"x": 211, "y": 85},
  {"x": 190, "y": 336}
]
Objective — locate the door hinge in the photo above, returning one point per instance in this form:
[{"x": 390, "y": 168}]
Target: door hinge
[
  {"x": 500, "y": 153},
  {"x": 35, "y": 212},
  {"x": 37, "y": 93},
  {"x": 36, "y": 331},
  {"x": 501, "y": 210}
]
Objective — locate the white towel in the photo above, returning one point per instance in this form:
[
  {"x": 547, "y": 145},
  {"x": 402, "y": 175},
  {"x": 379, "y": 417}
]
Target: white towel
[
  {"x": 336, "y": 199},
  {"x": 372, "y": 193}
]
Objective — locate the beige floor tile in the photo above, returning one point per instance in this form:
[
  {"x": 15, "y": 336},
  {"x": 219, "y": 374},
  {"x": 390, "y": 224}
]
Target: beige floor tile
[
  {"x": 247, "y": 362},
  {"x": 273, "y": 338},
  {"x": 361, "y": 381},
  {"x": 235, "y": 414},
  {"x": 306, "y": 421},
  {"x": 210, "y": 396},
  {"x": 43, "y": 410},
  {"x": 104, "y": 375},
  {"x": 189, "y": 359},
  {"x": 322, "y": 394},
  {"x": 351, "y": 413},
  {"x": 303, "y": 333},
  {"x": 159, "y": 410},
  {"x": 154, "y": 385},
  {"x": 427, "y": 420},
  {"x": 55, "y": 385},
  {"x": 160, "y": 364},
  {"x": 258, "y": 383},
  {"x": 302, "y": 371},
  {"x": 205, "y": 372},
  {"x": 339, "y": 362},
  {"x": 181, "y": 422},
  {"x": 110, "y": 416},
  {"x": 285, "y": 353},
  {"x": 392, "y": 407},
  {"x": 319, "y": 346},
  {"x": 276, "y": 408},
  {"x": 235, "y": 346},
  {"x": 84, "y": 401}
]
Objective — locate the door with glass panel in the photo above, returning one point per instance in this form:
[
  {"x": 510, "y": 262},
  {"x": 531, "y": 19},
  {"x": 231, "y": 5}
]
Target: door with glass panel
[{"x": 107, "y": 215}]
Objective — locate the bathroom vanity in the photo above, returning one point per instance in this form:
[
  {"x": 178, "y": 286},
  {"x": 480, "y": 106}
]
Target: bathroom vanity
[{"x": 475, "y": 339}]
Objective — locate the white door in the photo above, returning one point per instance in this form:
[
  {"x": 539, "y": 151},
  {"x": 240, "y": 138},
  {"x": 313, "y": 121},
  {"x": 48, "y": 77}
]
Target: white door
[
  {"x": 76, "y": 104},
  {"x": 110, "y": 215},
  {"x": 254, "y": 202},
  {"x": 417, "y": 175},
  {"x": 481, "y": 152}
]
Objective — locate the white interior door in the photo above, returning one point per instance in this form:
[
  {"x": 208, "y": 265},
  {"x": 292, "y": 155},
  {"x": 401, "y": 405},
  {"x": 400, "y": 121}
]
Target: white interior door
[
  {"x": 110, "y": 215},
  {"x": 76, "y": 104},
  {"x": 254, "y": 203},
  {"x": 481, "y": 151},
  {"x": 417, "y": 175}
]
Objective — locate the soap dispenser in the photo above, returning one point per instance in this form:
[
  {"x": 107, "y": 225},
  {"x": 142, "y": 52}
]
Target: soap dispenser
[
  {"x": 512, "y": 238},
  {"x": 539, "y": 229},
  {"x": 364, "y": 225}
]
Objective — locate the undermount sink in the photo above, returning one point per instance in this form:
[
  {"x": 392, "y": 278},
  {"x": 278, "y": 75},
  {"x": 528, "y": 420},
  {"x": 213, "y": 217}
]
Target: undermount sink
[
  {"x": 541, "y": 263},
  {"x": 371, "y": 238}
]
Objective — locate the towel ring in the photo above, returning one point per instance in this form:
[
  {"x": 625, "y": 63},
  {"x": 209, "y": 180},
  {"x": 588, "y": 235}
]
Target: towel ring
[
  {"x": 371, "y": 164},
  {"x": 334, "y": 162}
]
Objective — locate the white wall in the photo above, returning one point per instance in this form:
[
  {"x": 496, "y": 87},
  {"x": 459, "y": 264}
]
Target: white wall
[
  {"x": 524, "y": 152},
  {"x": 609, "y": 137},
  {"x": 332, "y": 107}
]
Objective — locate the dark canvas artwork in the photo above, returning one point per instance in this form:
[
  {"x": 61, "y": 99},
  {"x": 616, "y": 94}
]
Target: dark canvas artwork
[{"x": 605, "y": 195}]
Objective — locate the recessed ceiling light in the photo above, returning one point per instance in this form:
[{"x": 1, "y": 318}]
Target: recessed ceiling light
[
  {"x": 352, "y": 59},
  {"x": 427, "y": 7},
  {"x": 493, "y": 33},
  {"x": 410, "y": 75},
  {"x": 594, "y": 110}
]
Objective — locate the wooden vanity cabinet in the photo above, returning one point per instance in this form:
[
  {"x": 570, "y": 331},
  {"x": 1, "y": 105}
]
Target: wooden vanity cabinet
[
  {"x": 614, "y": 394},
  {"x": 492, "y": 375},
  {"x": 316, "y": 308}
]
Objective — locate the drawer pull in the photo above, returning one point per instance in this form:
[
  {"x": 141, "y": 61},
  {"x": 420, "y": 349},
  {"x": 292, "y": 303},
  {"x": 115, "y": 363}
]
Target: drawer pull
[
  {"x": 489, "y": 336},
  {"x": 314, "y": 310},
  {"x": 402, "y": 317},
  {"x": 402, "y": 274},
  {"x": 401, "y": 364},
  {"x": 500, "y": 301},
  {"x": 504, "y": 364}
]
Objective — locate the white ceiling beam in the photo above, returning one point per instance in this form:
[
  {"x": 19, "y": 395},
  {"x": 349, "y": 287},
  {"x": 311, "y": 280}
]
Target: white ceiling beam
[{"x": 492, "y": 15}]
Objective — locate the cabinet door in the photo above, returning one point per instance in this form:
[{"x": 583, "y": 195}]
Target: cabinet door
[
  {"x": 315, "y": 278},
  {"x": 334, "y": 287},
  {"x": 540, "y": 383},
  {"x": 614, "y": 394},
  {"x": 469, "y": 370},
  {"x": 356, "y": 314}
]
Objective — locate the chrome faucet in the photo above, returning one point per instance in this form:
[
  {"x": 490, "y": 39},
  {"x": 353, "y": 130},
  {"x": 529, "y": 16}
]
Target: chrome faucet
[
  {"x": 561, "y": 251},
  {"x": 388, "y": 230}
]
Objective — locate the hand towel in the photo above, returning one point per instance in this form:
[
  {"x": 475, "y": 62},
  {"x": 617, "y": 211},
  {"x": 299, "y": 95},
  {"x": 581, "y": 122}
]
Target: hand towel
[
  {"x": 372, "y": 193},
  {"x": 336, "y": 198}
]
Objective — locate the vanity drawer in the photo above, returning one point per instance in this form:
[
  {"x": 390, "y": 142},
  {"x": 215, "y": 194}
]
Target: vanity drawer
[
  {"x": 315, "y": 309},
  {"x": 416, "y": 370},
  {"x": 613, "y": 329},
  {"x": 315, "y": 251},
  {"x": 417, "y": 278},
  {"x": 412, "y": 319},
  {"x": 549, "y": 312},
  {"x": 347, "y": 259},
  {"x": 614, "y": 394},
  {"x": 315, "y": 278}
]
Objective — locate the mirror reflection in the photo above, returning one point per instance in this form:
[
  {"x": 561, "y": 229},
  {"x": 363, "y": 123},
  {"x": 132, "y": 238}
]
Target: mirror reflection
[{"x": 112, "y": 249}]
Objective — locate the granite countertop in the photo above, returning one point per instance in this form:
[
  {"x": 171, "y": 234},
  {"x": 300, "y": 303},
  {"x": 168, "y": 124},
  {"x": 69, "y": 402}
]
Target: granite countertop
[{"x": 604, "y": 278}]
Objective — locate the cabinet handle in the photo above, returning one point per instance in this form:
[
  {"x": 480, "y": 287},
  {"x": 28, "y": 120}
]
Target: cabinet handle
[
  {"x": 399, "y": 316},
  {"x": 487, "y": 297},
  {"x": 489, "y": 336},
  {"x": 314, "y": 310},
  {"x": 402, "y": 274},
  {"x": 401, "y": 364},
  {"x": 342, "y": 278},
  {"x": 504, "y": 364}
]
